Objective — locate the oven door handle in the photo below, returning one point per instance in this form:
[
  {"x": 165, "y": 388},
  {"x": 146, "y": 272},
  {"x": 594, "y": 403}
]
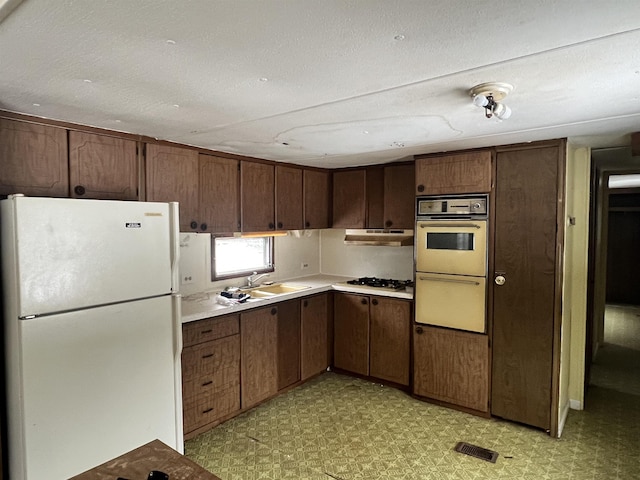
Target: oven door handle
[
  {"x": 452, "y": 280},
  {"x": 449, "y": 225}
]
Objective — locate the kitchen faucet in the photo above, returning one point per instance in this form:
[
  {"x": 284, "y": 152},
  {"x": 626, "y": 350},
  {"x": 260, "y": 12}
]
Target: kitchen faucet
[{"x": 252, "y": 279}]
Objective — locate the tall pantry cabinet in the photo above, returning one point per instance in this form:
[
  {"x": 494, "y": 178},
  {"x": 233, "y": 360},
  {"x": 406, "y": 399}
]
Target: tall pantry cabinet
[{"x": 527, "y": 283}]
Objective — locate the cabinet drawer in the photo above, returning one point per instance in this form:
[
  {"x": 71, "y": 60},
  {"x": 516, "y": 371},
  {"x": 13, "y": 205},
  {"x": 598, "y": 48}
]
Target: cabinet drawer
[
  {"x": 210, "y": 357},
  {"x": 202, "y": 331},
  {"x": 207, "y": 409},
  {"x": 207, "y": 384}
]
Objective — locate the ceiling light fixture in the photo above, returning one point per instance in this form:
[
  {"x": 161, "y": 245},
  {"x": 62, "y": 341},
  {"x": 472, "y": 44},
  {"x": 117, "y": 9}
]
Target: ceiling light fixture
[{"x": 489, "y": 95}]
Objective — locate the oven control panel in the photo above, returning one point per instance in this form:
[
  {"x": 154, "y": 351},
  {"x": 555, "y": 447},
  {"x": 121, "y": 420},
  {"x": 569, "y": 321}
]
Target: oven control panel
[{"x": 463, "y": 205}]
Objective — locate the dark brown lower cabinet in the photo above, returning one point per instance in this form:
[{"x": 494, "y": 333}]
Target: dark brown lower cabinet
[
  {"x": 451, "y": 366},
  {"x": 389, "y": 341},
  {"x": 372, "y": 336},
  {"x": 259, "y": 355},
  {"x": 351, "y": 333},
  {"x": 210, "y": 371},
  {"x": 288, "y": 343},
  {"x": 314, "y": 335}
]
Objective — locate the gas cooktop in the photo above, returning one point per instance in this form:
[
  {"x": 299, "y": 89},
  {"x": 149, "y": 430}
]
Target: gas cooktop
[{"x": 381, "y": 283}]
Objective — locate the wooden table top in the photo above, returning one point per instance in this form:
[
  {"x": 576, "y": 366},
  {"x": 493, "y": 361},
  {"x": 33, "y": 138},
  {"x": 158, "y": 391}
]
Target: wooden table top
[{"x": 136, "y": 465}]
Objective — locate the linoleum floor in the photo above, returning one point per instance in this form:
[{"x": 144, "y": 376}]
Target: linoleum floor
[{"x": 340, "y": 428}]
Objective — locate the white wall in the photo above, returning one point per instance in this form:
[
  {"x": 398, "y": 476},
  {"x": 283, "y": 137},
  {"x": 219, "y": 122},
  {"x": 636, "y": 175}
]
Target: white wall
[
  {"x": 574, "y": 293},
  {"x": 336, "y": 258},
  {"x": 580, "y": 259}
]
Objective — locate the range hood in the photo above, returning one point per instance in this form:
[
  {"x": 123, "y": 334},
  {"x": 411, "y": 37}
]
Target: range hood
[{"x": 379, "y": 237}]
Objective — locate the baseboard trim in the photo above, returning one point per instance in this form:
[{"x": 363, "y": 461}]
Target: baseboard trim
[{"x": 576, "y": 405}]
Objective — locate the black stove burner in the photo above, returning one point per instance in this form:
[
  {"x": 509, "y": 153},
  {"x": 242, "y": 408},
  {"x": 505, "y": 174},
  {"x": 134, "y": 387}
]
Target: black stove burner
[{"x": 380, "y": 282}]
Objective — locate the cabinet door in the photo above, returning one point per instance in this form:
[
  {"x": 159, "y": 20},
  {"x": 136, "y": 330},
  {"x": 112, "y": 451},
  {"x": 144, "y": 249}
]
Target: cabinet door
[
  {"x": 399, "y": 200},
  {"x": 33, "y": 159},
  {"x": 351, "y": 333},
  {"x": 314, "y": 335},
  {"x": 172, "y": 176},
  {"x": 219, "y": 194},
  {"x": 349, "y": 199},
  {"x": 451, "y": 174},
  {"x": 317, "y": 192},
  {"x": 257, "y": 190},
  {"x": 288, "y": 198},
  {"x": 523, "y": 307},
  {"x": 259, "y": 354},
  {"x": 375, "y": 197},
  {"x": 390, "y": 321},
  {"x": 288, "y": 343},
  {"x": 451, "y": 366},
  {"x": 102, "y": 167}
]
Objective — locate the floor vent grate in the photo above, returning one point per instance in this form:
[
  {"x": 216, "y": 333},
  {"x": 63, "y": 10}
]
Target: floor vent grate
[{"x": 478, "y": 452}]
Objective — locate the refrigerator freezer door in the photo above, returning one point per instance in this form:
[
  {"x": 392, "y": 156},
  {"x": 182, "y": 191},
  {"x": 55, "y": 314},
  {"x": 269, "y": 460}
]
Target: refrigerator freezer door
[
  {"x": 73, "y": 254},
  {"x": 97, "y": 383}
]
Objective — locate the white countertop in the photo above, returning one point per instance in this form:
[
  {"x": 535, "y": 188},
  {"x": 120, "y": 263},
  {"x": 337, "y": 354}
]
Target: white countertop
[{"x": 204, "y": 305}]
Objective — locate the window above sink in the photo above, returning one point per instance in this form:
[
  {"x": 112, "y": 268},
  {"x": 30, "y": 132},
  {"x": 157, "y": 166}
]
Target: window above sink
[{"x": 237, "y": 257}]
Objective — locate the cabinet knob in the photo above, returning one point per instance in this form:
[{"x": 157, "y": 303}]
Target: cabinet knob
[
  {"x": 419, "y": 330},
  {"x": 388, "y": 223},
  {"x": 203, "y": 227},
  {"x": 374, "y": 302},
  {"x": 271, "y": 226},
  {"x": 280, "y": 225},
  {"x": 80, "y": 190},
  {"x": 363, "y": 301},
  {"x": 307, "y": 224},
  {"x": 305, "y": 303},
  {"x": 193, "y": 225},
  {"x": 421, "y": 188},
  {"x": 500, "y": 280},
  {"x": 274, "y": 311}
]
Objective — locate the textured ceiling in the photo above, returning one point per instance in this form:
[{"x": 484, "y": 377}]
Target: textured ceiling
[{"x": 326, "y": 82}]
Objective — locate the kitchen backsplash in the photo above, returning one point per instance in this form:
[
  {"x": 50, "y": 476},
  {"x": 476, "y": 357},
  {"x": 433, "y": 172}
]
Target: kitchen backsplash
[
  {"x": 299, "y": 254},
  {"x": 336, "y": 258},
  {"x": 296, "y": 255}
]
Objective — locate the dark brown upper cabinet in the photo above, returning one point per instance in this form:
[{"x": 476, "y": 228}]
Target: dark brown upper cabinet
[
  {"x": 374, "y": 197},
  {"x": 257, "y": 182},
  {"x": 288, "y": 198},
  {"x": 33, "y": 159},
  {"x": 172, "y": 175},
  {"x": 317, "y": 195},
  {"x": 220, "y": 193},
  {"x": 452, "y": 174},
  {"x": 399, "y": 201},
  {"x": 102, "y": 167},
  {"x": 349, "y": 198}
]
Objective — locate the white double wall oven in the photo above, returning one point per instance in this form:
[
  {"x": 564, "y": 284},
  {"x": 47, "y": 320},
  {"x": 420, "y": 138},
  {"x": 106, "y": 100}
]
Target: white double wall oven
[{"x": 451, "y": 261}]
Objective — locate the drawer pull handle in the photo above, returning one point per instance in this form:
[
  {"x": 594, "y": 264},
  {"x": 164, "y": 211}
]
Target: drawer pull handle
[
  {"x": 204, "y": 332},
  {"x": 450, "y": 280},
  {"x": 208, "y": 355},
  {"x": 207, "y": 383},
  {"x": 208, "y": 410},
  {"x": 449, "y": 225}
]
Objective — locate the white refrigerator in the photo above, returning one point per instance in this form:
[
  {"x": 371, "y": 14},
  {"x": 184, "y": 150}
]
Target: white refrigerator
[{"x": 92, "y": 331}]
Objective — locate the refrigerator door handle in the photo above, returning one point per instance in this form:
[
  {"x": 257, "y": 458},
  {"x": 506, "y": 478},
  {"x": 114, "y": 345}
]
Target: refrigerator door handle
[
  {"x": 174, "y": 225},
  {"x": 176, "y": 306}
]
